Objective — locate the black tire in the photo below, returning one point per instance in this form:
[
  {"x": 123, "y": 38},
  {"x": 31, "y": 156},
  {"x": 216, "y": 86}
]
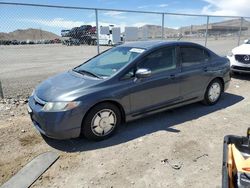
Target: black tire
[
  {"x": 89, "y": 131},
  {"x": 207, "y": 100},
  {"x": 94, "y": 42}
]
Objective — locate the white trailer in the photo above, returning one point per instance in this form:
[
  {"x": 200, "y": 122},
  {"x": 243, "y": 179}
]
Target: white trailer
[{"x": 109, "y": 35}]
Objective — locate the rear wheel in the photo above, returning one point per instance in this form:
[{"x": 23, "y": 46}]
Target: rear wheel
[
  {"x": 213, "y": 92},
  {"x": 101, "y": 121}
]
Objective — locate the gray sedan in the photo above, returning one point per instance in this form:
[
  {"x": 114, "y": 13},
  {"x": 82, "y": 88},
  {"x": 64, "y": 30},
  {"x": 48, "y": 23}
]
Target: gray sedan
[{"x": 127, "y": 82}]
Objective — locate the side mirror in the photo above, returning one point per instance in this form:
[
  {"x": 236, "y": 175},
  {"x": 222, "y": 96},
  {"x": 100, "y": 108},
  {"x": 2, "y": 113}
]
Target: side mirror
[{"x": 143, "y": 73}]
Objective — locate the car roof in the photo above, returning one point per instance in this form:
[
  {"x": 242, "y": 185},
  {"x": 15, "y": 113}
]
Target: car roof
[{"x": 155, "y": 43}]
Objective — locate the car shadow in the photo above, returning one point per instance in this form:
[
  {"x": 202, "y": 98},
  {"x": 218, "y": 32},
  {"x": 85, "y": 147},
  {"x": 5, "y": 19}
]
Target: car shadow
[
  {"x": 241, "y": 76},
  {"x": 138, "y": 128}
]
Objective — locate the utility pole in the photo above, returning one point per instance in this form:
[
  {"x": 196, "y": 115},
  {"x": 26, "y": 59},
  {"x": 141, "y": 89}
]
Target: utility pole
[{"x": 1, "y": 90}]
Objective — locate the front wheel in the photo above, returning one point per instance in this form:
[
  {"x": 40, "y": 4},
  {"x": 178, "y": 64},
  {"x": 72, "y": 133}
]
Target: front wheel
[
  {"x": 101, "y": 121},
  {"x": 213, "y": 92}
]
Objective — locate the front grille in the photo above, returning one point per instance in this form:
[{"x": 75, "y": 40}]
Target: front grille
[
  {"x": 39, "y": 101},
  {"x": 243, "y": 58},
  {"x": 241, "y": 68}
]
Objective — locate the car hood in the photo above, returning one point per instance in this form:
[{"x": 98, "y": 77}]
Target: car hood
[
  {"x": 242, "y": 49},
  {"x": 66, "y": 86}
]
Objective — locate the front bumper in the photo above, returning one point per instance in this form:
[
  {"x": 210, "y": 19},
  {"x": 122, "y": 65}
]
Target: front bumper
[
  {"x": 58, "y": 125},
  {"x": 237, "y": 66}
]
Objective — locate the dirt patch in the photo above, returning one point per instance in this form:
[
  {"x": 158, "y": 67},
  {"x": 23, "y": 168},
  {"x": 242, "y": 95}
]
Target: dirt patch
[
  {"x": 30, "y": 140},
  {"x": 190, "y": 150},
  {"x": 9, "y": 168},
  {"x": 19, "y": 142}
]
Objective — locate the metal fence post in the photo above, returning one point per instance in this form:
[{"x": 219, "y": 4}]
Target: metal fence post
[
  {"x": 241, "y": 22},
  {"x": 1, "y": 90},
  {"x": 162, "y": 27},
  {"x": 97, "y": 31},
  {"x": 206, "y": 31}
]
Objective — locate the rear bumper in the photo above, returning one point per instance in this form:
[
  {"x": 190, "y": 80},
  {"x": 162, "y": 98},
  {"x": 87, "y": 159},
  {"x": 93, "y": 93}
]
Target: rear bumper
[{"x": 57, "y": 125}]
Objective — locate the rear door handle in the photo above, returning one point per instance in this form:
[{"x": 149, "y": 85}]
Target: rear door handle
[{"x": 172, "y": 76}]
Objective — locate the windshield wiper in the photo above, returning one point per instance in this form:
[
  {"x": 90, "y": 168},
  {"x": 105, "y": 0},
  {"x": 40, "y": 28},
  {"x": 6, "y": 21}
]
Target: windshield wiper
[{"x": 87, "y": 72}]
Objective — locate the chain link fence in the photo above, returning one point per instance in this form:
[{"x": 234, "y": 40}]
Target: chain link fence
[{"x": 37, "y": 41}]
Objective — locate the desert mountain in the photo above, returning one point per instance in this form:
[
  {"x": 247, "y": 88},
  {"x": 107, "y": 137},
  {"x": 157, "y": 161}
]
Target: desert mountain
[{"x": 28, "y": 34}]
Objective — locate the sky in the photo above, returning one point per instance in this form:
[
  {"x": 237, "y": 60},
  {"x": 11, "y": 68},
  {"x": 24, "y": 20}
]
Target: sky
[{"x": 54, "y": 20}]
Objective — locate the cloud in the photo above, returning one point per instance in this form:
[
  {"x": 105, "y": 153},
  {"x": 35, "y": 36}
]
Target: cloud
[
  {"x": 213, "y": 7},
  {"x": 56, "y": 22},
  {"x": 162, "y": 5},
  {"x": 61, "y": 23},
  {"x": 143, "y": 6},
  {"x": 227, "y": 7},
  {"x": 150, "y": 6},
  {"x": 140, "y": 24},
  {"x": 115, "y": 14}
]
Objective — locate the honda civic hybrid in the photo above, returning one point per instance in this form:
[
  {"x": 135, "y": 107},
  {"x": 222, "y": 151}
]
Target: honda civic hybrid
[{"x": 124, "y": 83}]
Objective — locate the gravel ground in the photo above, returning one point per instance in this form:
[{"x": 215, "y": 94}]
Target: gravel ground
[
  {"x": 22, "y": 67},
  {"x": 176, "y": 148}
]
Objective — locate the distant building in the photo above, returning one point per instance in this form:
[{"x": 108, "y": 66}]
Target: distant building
[
  {"x": 220, "y": 28},
  {"x": 224, "y": 28}
]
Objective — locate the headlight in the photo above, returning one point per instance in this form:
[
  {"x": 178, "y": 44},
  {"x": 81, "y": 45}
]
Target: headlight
[
  {"x": 230, "y": 54},
  {"x": 60, "y": 106}
]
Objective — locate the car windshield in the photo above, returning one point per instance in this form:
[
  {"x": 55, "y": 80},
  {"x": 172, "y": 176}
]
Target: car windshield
[{"x": 109, "y": 62}]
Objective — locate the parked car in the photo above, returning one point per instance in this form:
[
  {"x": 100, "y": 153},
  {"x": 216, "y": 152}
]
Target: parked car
[
  {"x": 23, "y": 42},
  {"x": 56, "y": 41},
  {"x": 71, "y": 42},
  {"x": 77, "y": 32},
  {"x": 240, "y": 58},
  {"x": 127, "y": 82},
  {"x": 65, "y": 33},
  {"x": 5, "y": 42},
  {"x": 15, "y": 42},
  {"x": 46, "y": 42},
  {"x": 30, "y": 42}
]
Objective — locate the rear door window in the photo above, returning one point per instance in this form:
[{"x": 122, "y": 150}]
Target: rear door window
[{"x": 193, "y": 56}]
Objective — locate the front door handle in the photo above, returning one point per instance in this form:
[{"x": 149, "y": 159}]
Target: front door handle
[{"x": 205, "y": 69}]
